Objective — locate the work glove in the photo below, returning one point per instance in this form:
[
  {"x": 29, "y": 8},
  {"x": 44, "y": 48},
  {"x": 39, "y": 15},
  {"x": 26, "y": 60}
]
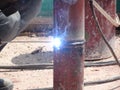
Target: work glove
[{"x": 14, "y": 22}]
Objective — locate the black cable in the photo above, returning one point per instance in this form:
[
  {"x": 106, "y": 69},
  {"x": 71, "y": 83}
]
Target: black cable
[
  {"x": 91, "y": 83},
  {"x": 101, "y": 33},
  {"x": 50, "y": 65},
  {"x": 29, "y": 66},
  {"x": 100, "y": 64},
  {"x": 102, "y": 81}
]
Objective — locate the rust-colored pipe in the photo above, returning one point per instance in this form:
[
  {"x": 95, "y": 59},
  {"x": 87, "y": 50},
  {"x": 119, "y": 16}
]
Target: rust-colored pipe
[
  {"x": 69, "y": 58},
  {"x": 96, "y": 48}
]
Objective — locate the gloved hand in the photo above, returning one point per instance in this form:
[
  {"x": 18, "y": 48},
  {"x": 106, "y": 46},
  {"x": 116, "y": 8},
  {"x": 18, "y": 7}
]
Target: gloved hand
[
  {"x": 9, "y": 27},
  {"x": 12, "y": 25},
  {"x": 8, "y": 7}
]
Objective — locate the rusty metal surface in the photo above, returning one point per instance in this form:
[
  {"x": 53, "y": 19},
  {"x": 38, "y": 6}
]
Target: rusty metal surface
[
  {"x": 69, "y": 20},
  {"x": 95, "y": 46},
  {"x": 68, "y": 60},
  {"x": 68, "y": 68}
]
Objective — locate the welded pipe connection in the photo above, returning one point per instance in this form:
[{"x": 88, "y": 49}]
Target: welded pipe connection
[{"x": 69, "y": 58}]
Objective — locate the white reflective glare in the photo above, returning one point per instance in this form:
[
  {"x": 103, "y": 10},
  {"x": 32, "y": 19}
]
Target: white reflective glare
[{"x": 56, "y": 42}]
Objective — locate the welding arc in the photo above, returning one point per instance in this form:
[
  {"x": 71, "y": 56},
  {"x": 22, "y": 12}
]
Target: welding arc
[{"x": 101, "y": 33}]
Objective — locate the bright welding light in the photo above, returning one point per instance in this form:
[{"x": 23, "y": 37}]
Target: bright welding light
[{"x": 56, "y": 42}]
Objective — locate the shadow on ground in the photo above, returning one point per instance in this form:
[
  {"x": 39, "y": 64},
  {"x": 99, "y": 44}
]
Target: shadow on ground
[{"x": 34, "y": 58}]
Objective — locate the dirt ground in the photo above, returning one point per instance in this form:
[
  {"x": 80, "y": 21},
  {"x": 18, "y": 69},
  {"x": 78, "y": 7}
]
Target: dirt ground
[
  {"x": 33, "y": 50},
  {"x": 20, "y": 53}
]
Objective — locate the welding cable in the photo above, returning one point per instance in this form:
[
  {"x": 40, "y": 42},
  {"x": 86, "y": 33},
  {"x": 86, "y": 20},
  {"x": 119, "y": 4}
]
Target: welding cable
[
  {"x": 100, "y": 64},
  {"x": 101, "y": 33},
  {"x": 50, "y": 65},
  {"x": 89, "y": 83},
  {"x": 30, "y": 66}
]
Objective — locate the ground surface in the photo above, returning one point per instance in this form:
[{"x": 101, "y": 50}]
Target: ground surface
[
  {"x": 20, "y": 53},
  {"x": 23, "y": 53}
]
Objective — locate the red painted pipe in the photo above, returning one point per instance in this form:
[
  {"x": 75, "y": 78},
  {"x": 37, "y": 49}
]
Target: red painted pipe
[
  {"x": 69, "y": 59},
  {"x": 95, "y": 45}
]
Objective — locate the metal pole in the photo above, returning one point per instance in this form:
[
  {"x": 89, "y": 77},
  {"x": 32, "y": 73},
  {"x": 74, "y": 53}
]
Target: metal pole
[{"x": 69, "y": 58}]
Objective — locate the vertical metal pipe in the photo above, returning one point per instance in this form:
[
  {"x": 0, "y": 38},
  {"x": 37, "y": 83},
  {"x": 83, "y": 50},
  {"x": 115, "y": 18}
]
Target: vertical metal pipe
[{"x": 69, "y": 58}]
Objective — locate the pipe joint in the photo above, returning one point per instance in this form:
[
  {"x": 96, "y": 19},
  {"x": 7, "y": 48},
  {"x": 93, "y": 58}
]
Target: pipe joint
[{"x": 72, "y": 44}]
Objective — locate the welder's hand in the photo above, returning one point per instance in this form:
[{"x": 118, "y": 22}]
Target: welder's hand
[
  {"x": 9, "y": 27},
  {"x": 8, "y": 7},
  {"x": 12, "y": 25}
]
